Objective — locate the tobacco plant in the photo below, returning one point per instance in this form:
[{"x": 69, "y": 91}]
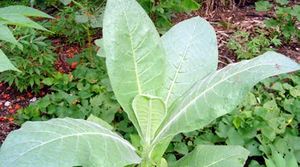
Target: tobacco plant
[
  {"x": 18, "y": 16},
  {"x": 167, "y": 85}
]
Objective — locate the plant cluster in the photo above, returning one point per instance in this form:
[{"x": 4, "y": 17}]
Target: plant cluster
[
  {"x": 166, "y": 85},
  {"x": 76, "y": 22},
  {"x": 79, "y": 94},
  {"x": 35, "y": 60},
  {"x": 162, "y": 11},
  {"x": 286, "y": 17},
  {"x": 17, "y": 16},
  {"x": 247, "y": 46}
]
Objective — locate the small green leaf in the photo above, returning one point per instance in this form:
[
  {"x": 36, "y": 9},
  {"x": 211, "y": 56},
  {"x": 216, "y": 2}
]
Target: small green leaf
[
  {"x": 190, "y": 5},
  {"x": 282, "y": 2},
  {"x": 150, "y": 112},
  {"x": 296, "y": 11},
  {"x": 181, "y": 148},
  {"x": 263, "y": 6}
]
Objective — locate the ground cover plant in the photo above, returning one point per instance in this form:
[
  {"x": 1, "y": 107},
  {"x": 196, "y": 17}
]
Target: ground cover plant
[
  {"x": 35, "y": 60},
  {"x": 161, "y": 88},
  {"x": 16, "y": 15},
  {"x": 286, "y": 17},
  {"x": 79, "y": 94}
]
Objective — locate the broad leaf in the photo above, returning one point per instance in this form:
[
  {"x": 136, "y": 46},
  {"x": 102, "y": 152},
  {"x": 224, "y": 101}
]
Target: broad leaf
[
  {"x": 5, "y": 64},
  {"x": 24, "y": 10},
  {"x": 150, "y": 113},
  {"x": 220, "y": 92},
  {"x": 65, "y": 143},
  {"x": 191, "y": 53},
  {"x": 134, "y": 56},
  {"x": 214, "y": 156},
  {"x": 20, "y": 20},
  {"x": 6, "y": 35}
]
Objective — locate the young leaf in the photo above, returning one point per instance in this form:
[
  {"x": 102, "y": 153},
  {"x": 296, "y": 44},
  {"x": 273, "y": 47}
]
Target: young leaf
[
  {"x": 5, "y": 64},
  {"x": 24, "y": 10},
  {"x": 134, "y": 56},
  {"x": 191, "y": 53},
  {"x": 150, "y": 113},
  {"x": 218, "y": 93},
  {"x": 214, "y": 156},
  {"x": 64, "y": 143}
]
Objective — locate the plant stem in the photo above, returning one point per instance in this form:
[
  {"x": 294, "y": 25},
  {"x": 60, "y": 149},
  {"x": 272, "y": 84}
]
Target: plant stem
[{"x": 146, "y": 160}]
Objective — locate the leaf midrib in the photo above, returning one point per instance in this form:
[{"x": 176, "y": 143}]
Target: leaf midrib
[
  {"x": 180, "y": 66},
  {"x": 133, "y": 55}
]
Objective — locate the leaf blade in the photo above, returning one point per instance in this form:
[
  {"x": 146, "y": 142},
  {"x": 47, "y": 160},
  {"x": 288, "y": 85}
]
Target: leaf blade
[
  {"x": 220, "y": 92},
  {"x": 214, "y": 156},
  {"x": 134, "y": 56},
  {"x": 65, "y": 142},
  {"x": 24, "y": 10},
  {"x": 186, "y": 44},
  {"x": 5, "y": 64},
  {"x": 150, "y": 113},
  {"x": 20, "y": 20}
]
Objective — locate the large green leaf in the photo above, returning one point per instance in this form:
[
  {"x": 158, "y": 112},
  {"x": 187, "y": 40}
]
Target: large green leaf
[
  {"x": 192, "y": 53},
  {"x": 6, "y": 35},
  {"x": 214, "y": 156},
  {"x": 24, "y": 10},
  {"x": 150, "y": 112},
  {"x": 220, "y": 92},
  {"x": 134, "y": 56},
  {"x": 5, "y": 64},
  {"x": 20, "y": 20},
  {"x": 65, "y": 143}
]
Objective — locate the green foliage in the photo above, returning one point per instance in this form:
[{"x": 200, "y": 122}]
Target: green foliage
[
  {"x": 18, "y": 16},
  {"x": 76, "y": 23},
  {"x": 265, "y": 123},
  {"x": 263, "y": 6},
  {"x": 35, "y": 60},
  {"x": 162, "y": 11},
  {"x": 77, "y": 95},
  {"x": 246, "y": 46},
  {"x": 145, "y": 75},
  {"x": 66, "y": 27},
  {"x": 284, "y": 23}
]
